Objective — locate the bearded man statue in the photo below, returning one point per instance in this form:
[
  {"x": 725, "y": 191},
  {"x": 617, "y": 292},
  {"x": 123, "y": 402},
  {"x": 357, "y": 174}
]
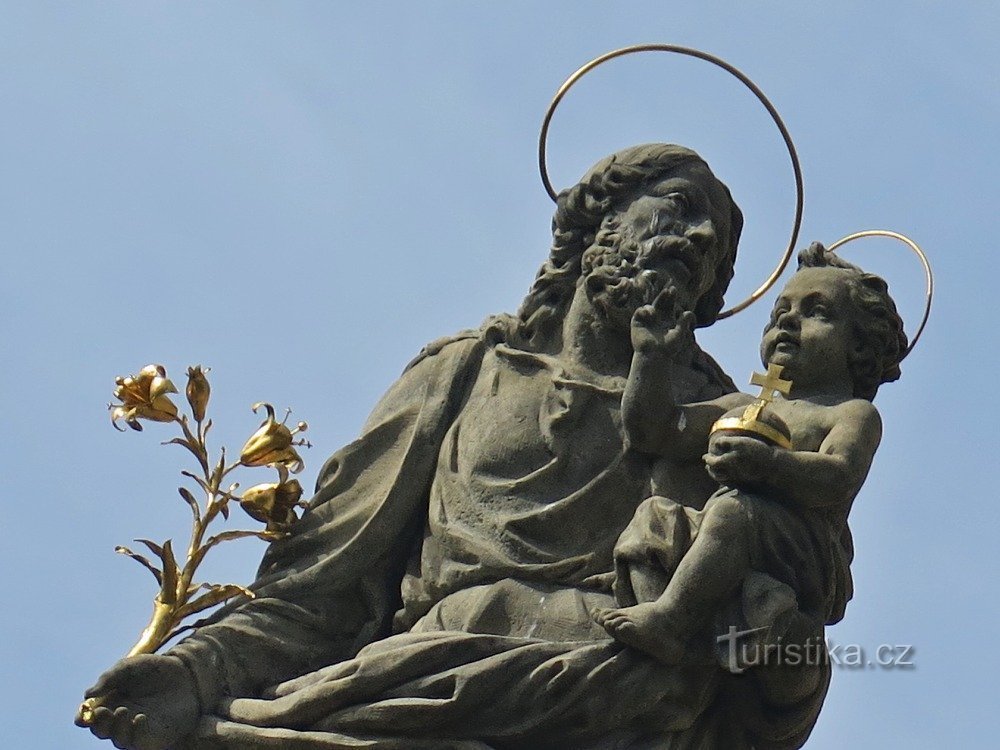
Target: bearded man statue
[{"x": 440, "y": 590}]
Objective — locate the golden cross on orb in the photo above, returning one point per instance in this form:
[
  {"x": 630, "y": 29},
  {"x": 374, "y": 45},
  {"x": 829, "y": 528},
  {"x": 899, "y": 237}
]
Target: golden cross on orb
[{"x": 771, "y": 382}]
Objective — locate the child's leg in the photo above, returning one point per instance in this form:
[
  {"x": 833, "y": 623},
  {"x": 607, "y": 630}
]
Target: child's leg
[
  {"x": 710, "y": 571},
  {"x": 714, "y": 567},
  {"x": 648, "y": 581},
  {"x": 650, "y": 548}
]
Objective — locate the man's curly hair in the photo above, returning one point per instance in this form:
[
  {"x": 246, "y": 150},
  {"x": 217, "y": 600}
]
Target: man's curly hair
[
  {"x": 877, "y": 324},
  {"x": 580, "y": 211}
]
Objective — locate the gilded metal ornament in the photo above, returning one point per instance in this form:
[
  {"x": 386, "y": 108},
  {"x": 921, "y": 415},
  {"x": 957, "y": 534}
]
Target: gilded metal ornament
[
  {"x": 144, "y": 397},
  {"x": 924, "y": 262},
  {"x": 750, "y": 422}
]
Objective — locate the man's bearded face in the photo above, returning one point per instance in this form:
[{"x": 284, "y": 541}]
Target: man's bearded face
[{"x": 663, "y": 238}]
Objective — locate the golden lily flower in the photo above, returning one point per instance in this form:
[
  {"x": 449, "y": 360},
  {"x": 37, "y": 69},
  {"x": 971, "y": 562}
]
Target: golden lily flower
[
  {"x": 198, "y": 390},
  {"x": 143, "y": 396},
  {"x": 273, "y": 503},
  {"x": 272, "y": 443}
]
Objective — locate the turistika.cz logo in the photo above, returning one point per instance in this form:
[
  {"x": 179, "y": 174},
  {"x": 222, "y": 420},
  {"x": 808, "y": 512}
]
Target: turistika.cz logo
[{"x": 743, "y": 653}]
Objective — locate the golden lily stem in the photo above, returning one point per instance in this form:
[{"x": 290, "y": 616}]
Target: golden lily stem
[
  {"x": 213, "y": 479},
  {"x": 157, "y": 631},
  {"x": 164, "y": 618},
  {"x": 199, "y": 527},
  {"x": 164, "y": 615}
]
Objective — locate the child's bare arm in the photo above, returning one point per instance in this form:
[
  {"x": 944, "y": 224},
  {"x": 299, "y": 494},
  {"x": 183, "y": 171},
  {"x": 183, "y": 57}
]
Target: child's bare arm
[
  {"x": 828, "y": 477},
  {"x": 654, "y": 422}
]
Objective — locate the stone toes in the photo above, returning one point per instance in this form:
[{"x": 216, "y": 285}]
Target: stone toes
[{"x": 618, "y": 622}]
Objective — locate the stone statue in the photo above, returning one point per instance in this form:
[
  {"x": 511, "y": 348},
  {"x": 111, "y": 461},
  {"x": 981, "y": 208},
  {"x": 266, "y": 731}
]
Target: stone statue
[
  {"x": 784, "y": 499},
  {"x": 443, "y": 589}
]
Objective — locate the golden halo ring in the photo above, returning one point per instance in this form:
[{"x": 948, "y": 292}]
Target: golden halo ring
[
  {"x": 690, "y": 52},
  {"x": 928, "y": 274}
]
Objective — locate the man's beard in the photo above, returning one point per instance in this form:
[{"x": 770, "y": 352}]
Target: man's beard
[{"x": 621, "y": 274}]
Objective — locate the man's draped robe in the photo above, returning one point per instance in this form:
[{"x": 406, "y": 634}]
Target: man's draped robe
[{"x": 480, "y": 506}]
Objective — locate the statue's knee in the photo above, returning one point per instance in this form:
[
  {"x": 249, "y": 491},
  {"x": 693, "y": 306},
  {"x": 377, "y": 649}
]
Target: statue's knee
[{"x": 729, "y": 511}]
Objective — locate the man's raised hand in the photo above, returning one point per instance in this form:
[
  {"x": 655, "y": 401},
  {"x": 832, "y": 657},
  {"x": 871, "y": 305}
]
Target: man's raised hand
[{"x": 662, "y": 326}]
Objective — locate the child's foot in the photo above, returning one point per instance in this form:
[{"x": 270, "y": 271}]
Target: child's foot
[{"x": 645, "y": 628}]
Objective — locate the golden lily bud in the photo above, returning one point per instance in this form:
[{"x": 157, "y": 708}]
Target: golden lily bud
[
  {"x": 272, "y": 443},
  {"x": 144, "y": 396},
  {"x": 198, "y": 390},
  {"x": 272, "y": 503}
]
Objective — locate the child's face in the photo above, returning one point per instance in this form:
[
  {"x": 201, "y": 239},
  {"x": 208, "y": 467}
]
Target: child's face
[{"x": 811, "y": 331}]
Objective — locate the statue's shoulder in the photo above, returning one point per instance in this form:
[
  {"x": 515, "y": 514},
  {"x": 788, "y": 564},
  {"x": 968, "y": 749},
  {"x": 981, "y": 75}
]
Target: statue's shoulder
[{"x": 468, "y": 341}]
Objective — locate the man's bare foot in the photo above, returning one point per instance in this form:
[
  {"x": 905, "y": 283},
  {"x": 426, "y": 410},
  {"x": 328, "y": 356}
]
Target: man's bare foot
[{"x": 645, "y": 628}]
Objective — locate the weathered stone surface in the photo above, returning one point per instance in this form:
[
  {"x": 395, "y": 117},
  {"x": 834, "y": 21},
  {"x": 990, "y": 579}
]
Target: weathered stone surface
[{"x": 461, "y": 570}]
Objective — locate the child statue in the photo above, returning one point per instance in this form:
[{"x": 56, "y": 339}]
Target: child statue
[{"x": 789, "y": 467}]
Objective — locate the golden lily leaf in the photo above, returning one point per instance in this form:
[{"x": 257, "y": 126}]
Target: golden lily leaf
[
  {"x": 142, "y": 561},
  {"x": 168, "y": 589},
  {"x": 184, "y": 443},
  {"x": 216, "y": 595},
  {"x": 201, "y": 482},
  {"x": 153, "y": 547},
  {"x": 190, "y": 500},
  {"x": 226, "y": 536},
  {"x": 185, "y": 628}
]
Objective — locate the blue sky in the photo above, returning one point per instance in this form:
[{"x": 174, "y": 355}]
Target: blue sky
[{"x": 300, "y": 195}]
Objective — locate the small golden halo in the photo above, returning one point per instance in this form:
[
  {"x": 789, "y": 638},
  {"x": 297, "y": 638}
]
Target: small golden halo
[
  {"x": 690, "y": 52},
  {"x": 928, "y": 274}
]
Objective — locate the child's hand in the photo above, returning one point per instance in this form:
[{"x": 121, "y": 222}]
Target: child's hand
[
  {"x": 661, "y": 326},
  {"x": 737, "y": 461}
]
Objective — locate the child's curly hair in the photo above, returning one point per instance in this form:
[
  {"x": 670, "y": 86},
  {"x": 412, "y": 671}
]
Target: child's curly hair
[{"x": 877, "y": 324}]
